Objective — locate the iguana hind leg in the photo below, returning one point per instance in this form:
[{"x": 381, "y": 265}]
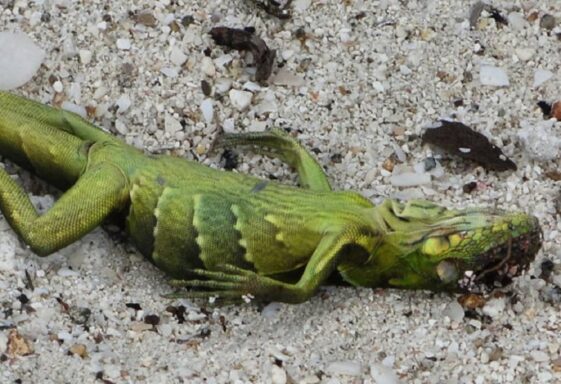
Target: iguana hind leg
[
  {"x": 232, "y": 283},
  {"x": 97, "y": 193},
  {"x": 277, "y": 143}
]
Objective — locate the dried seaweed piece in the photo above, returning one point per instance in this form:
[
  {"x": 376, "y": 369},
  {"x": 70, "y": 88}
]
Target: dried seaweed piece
[
  {"x": 246, "y": 40},
  {"x": 459, "y": 139}
]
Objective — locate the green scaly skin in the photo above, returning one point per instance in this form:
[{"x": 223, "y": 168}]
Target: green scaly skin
[{"x": 229, "y": 235}]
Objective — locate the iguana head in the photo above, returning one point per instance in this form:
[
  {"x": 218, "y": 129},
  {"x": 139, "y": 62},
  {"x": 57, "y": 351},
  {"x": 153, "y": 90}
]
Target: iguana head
[{"x": 424, "y": 245}]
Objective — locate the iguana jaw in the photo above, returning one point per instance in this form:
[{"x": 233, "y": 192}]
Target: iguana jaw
[{"x": 502, "y": 263}]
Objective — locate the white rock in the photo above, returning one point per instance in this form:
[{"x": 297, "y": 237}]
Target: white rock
[
  {"x": 171, "y": 125},
  {"x": 123, "y": 103},
  {"x": 454, "y": 311},
  {"x": 257, "y": 126},
  {"x": 207, "y": 66},
  {"x": 240, "y": 99},
  {"x": 541, "y": 76},
  {"x": 66, "y": 272},
  {"x": 64, "y": 336},
  {"x": 124, "y": 44},
  {"x": 229, "y": 126},
  {"x": 410, "y": 179},
  {"x": 3, "y": 341},
  {"x": 207, "y": 110},
  {"x": 271, "y": 310},
  {"x": 540, "y": 139},
  {"x": 221, "y": 61},
  {"x": 20, "y": 58},
  {"x": 266, "y": 106},
  {"x": 539, "y": 356},
  {"x": 78, "y": 109},
  {"x": 517, "y": 21},
  {"x": 286, "y": 78},
  {"x": 8, "y": 244},
  {"x": 525, "y": 54},
  {"x": 121, "y": 127},
  {"x": 58, "y": 87},
  {"x": 177, "y": 56},
  {"x": 75, "y": 92},
  {"x": 348, "y": 367},
  {"x": 100, "y": 92},
  {"x": 494, "y": 307},
  {"x": 69, "y": 48},
  {"x": 251, "y": 86},
  {"x": 382, "y": 374},
  {"x": 493, "y": 76},
  {"x": 222, "y": 85},
  {"x": 301, "y": 5},
  {"x": 278, "y": 375},
  {"x": 35, "y": 17},
  {"x": 378, "y": 86},
  {"x": 85, "y": 56},
  {"x": 170, "y": 72}
]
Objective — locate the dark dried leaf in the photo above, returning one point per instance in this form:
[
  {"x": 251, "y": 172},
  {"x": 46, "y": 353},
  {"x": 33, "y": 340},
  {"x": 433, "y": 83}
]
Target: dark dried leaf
[
  {"x": 244, "y": 40},
  {"x": 459, "y": 139},
  {"x": 553, "y": 175},
  {"x": 469, "y": 187},
  {"x": 547, "y": 268},
  {"x": 152, "y": 319},
  {"x": 274, "y": 8},
  {"x": 545, "y": 107}
]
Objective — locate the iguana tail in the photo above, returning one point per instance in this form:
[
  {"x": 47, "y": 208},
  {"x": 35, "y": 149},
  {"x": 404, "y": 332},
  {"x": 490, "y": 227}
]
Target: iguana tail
[{"x": 48, "y": 141}]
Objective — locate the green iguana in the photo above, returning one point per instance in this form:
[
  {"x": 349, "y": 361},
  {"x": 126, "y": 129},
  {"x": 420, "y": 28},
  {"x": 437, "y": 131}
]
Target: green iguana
[{"x": 232, "y": 235}]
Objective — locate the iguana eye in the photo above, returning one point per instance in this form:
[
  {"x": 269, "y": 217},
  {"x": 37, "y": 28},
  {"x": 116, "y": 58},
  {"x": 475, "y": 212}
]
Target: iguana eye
[{"x": 435, "y": 246}]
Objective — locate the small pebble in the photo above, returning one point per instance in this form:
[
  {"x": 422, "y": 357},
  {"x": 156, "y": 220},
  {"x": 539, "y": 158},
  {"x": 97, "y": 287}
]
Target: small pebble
[
  {"x": 541, "y": 76},
  {"x": 85, "y": 56},
  {"x": 454, "y": 311},
  {"x": 124, "y": 44},
  {"x": 278, "y": 375},
  {"x": 207, "y": 66},
  {"x": 539, "y": 356},
  {"x": 348, "y": 368},
  {"x": 177, "y": 56},
  {"x": 525, "y": 54},
  {"x": 207, "y": 110},
  {"x": 548, "y": 22},
  {"x": 494, "y": 307},
  {"x": 79, "y": 350},
  {"x": 171, "y": 125},
  {"x": 123, "y": 103},
  {"x": 493, "y": 76},
  {"x": 240, "y": 99},
  {"x": 409, "y": 179},
  {"x": 383, "y": 374}
]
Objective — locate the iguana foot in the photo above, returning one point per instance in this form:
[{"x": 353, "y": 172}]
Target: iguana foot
[{"x": 230, "y": 283}]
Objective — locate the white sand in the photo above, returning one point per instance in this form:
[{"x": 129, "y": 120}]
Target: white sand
[{"x": 361, "y": 85}]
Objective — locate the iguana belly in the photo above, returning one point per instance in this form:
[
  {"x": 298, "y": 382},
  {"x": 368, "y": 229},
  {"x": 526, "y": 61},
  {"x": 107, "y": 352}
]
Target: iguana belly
[{"x": 181, "y": 225}]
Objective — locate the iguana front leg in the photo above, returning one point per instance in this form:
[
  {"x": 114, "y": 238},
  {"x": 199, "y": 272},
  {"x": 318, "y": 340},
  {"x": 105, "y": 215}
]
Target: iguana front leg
[
  {"x": 233, "y": 283},
  {"x": 277, "y": 143},
  {"x": 97, "y": 193}
]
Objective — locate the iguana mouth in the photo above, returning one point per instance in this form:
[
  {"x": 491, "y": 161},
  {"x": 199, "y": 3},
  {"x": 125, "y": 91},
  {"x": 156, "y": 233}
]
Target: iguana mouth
[{"x": 502, "y": 263}]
